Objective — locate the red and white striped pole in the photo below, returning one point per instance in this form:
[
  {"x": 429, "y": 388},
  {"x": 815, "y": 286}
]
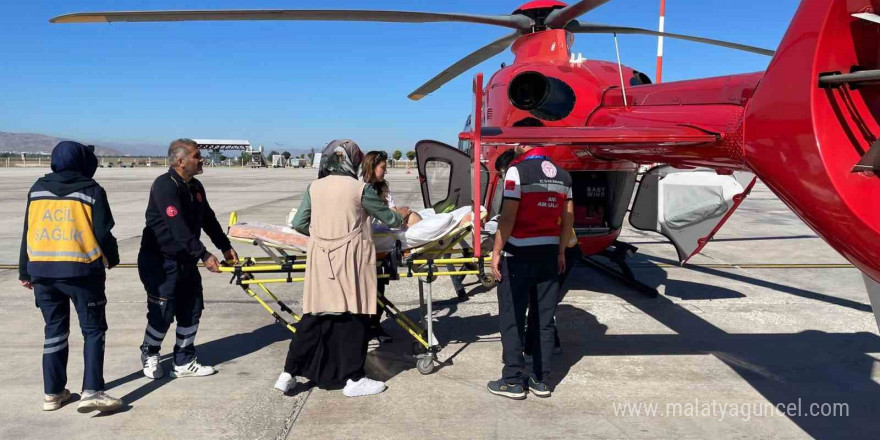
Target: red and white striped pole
[{"x": 660, "y": 43}]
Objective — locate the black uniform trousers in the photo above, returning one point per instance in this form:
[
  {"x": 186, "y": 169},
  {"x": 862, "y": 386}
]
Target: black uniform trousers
[
  {"x": 174, "y": 292},
  {"x": 527, "y": 284},
  {"x": 572, "y": 256},
  {"x": 53, "y": 297}
]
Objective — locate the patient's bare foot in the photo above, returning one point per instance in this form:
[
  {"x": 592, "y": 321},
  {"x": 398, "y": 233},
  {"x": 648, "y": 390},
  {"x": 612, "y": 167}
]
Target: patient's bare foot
[{"x": 413, "y": 218}]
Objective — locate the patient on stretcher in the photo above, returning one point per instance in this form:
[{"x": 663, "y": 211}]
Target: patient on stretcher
[
  {"x": 431, "y": 227},
  {"x": 420, "y": 228}
]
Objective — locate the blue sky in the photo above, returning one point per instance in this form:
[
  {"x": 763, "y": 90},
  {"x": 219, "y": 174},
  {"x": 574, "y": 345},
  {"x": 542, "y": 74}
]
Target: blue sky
[{"x": 299, "y": 84}]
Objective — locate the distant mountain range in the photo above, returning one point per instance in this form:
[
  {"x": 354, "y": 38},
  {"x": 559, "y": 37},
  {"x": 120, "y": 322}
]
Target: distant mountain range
[{"x": 41, "y": 143}]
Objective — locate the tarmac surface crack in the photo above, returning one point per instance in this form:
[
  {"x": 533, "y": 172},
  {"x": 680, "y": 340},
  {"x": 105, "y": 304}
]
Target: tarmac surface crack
[{"x": 290, "y": 421}]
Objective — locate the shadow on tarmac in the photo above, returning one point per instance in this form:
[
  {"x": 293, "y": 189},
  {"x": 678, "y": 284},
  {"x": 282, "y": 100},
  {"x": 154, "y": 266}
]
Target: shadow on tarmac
[
  {"x": 719, "y": 240},
  {"x": 805, "y": 368},
  {"x": 655, "y": 276},
  {"x": 214, "y": 352},
  {"x": 390, "y": 359}
]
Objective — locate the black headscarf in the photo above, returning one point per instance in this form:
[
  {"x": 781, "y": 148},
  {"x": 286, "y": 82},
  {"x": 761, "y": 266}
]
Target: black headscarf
[{"x": 76, "y": 157}]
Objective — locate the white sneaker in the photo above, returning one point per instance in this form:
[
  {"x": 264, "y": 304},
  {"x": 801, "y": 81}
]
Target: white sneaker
[
  {"x": 363, "y": 387},
  {"x": 192, "y": 369},
  {"x": 284, "y": 382},
  {"x": 152, "y": 369},
  {"x": 51, "y": 402},
  {"x": 98, "y": 402}
]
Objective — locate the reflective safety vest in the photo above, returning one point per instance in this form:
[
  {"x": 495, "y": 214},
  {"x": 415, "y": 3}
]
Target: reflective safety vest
[
  {"x": 60, "y": 228},
  {"x": 542, "y": 190}
]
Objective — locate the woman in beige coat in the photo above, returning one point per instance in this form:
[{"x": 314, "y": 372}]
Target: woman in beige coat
[{"x": 339, "y": 293}]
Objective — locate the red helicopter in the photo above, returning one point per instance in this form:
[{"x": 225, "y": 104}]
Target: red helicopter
[{"x": 807, "y": 127}]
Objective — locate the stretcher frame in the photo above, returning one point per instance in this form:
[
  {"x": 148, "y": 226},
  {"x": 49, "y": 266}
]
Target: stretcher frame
[
  {"x": 426, "y": 347},
  {"x": 421, "y": 262}
]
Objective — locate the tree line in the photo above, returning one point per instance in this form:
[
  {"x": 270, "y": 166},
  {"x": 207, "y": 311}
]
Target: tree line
[{"x": 396, "y": 155}]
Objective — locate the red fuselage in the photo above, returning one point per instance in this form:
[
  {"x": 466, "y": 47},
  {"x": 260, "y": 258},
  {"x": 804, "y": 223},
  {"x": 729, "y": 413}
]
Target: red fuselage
[{"x": 801, "y": 140}]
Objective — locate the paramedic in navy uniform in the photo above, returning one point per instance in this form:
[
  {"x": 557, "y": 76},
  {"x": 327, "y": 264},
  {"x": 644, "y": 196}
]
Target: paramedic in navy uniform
[
  {"x": 177, "y": 211},
  {"x": 529, "y": 254},
  {"x": 65, "y": 248}
]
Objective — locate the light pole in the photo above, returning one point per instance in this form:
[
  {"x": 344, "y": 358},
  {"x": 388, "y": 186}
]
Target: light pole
[{"x": 660, "y": 42}]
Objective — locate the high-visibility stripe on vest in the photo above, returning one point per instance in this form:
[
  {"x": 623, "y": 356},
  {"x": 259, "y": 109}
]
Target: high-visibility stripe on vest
[{"x": 60, "y": 228}]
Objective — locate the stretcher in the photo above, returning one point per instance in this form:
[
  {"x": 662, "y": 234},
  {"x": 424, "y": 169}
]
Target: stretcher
[{"x": 285, "y": 261}]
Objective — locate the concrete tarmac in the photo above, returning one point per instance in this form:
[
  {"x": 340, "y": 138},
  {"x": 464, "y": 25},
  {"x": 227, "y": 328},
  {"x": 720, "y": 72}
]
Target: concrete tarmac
[{"x": 715, "y": 356}]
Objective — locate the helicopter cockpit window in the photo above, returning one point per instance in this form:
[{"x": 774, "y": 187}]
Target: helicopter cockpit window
[
  {"x": 465, "y": 145},
  {"x": 639, "y": 78}
]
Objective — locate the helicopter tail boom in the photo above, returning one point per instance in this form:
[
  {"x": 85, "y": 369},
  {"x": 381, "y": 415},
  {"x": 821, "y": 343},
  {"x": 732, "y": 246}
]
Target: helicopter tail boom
[{"x": 811, "y": 130}]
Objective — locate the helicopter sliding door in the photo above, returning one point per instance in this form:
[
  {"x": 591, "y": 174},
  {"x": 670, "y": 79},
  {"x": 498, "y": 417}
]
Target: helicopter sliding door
[
  {"x": 687, "y": 206},
  {"x": 445, "y": 176},
  {"x": 601, "y": 199}
]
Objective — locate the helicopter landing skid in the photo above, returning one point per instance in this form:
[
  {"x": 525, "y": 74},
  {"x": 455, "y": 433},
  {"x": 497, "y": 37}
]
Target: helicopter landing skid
[{"x": 618, "y": 253}]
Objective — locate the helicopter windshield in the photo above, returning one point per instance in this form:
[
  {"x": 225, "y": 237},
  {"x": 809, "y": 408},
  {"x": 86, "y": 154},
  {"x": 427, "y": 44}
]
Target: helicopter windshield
[{"x": 465, "y": 145}]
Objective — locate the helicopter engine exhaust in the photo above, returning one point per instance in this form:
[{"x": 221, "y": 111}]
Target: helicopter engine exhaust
[{"x": 547, "y": 98}]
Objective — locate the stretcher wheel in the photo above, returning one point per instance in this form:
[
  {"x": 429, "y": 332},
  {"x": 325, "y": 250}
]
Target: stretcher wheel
[
  {"x": 425, "y": 365},
  {"x": 488, "y": 281}
]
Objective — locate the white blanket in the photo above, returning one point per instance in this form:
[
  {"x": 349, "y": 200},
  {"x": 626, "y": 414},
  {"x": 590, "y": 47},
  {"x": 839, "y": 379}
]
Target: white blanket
[{"x": 432, "y": 227}]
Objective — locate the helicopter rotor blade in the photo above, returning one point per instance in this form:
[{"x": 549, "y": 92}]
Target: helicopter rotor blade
[
  {"x": 519, "y": 22},
  {"x": 588, "y": 28},
  {"x": 474, "y": 58},
  {"x": 560, "y": 17}
]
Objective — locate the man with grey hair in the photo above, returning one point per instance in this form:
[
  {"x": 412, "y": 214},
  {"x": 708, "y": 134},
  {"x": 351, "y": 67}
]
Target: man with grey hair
[{"x": 177, "y": 212}]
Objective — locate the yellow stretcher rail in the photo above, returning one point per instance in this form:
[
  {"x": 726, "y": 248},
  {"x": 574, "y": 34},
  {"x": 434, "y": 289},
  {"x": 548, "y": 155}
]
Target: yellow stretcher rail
[
  {"x": 402, "y": 320},
  {"x": 265, "y": 268},
  {"x": 272, "y": 312},
  {"x": 380, "y": 276},
  {"x": 245, "y": 270},
  {"x": 439, "y": 274},
  {"x": 271, "y": 281},
  {"x": 299, "y": 267},
  {"x": 453, "y": 260},
  {"x": 636, "y": 265}
]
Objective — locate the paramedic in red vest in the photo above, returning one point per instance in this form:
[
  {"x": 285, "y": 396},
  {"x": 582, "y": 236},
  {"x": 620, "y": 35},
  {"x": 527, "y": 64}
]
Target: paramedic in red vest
[
  {"x": 65, "y": 248},
  {"x": 177, "y": 212},
  {"x": 529, "y": 255}
]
